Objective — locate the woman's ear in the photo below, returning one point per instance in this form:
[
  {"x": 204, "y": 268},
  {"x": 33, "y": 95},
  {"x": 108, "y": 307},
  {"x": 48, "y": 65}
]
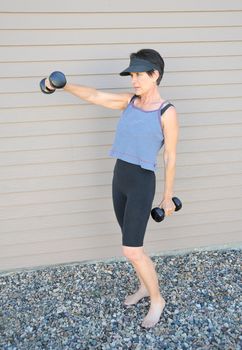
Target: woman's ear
[{"x": 156, "y": 75}]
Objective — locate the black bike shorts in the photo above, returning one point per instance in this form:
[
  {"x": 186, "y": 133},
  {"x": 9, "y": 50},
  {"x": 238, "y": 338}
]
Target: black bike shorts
[{"x": 133, "y": 190}]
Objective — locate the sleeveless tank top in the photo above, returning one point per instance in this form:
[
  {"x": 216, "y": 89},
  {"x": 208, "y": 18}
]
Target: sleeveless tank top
[{"x": 139, "y": 135}]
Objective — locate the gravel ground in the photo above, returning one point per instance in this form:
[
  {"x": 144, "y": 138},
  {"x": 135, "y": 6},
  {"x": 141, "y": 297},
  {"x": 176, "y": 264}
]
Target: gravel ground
[{"x": 80, "y": 306}]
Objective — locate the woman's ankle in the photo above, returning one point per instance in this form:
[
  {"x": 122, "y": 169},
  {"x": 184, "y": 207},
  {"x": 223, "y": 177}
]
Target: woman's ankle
[
  {"x": 157, "y": 299},
  {"x": 142, "y": 287}
]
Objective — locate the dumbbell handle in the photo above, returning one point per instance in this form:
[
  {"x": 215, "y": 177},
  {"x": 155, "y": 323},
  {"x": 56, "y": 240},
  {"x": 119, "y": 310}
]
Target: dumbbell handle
[{"x": 158, "y": 214}]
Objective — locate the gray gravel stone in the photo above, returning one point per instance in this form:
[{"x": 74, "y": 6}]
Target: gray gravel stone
[{"x": 80, "y": 306}]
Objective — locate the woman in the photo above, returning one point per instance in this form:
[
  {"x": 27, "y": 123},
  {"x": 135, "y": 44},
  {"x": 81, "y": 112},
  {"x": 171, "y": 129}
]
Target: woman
[{"x": 142, "y": 130}]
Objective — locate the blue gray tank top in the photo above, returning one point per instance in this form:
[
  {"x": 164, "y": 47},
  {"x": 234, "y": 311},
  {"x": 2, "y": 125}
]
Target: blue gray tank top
[{"x": 139, "y": 135}]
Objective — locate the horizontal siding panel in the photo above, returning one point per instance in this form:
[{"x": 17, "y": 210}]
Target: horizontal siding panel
[
  {"x": 124, "y": 6},
  {"x": 57, "y": 127},
  {"x": 201, "y": 214},
  {"x": 223, "y": 77},
  {"x": 108, "y": 230},
  {"x": 79, "y": 112},
  {"x": 216, "y": 241},
  {"x": 117, "y": 20},
  {"x": 30, "y": 163},
  {"x": 57, "y": 141},
  {"x": 228, "y": 211},
  {"x": 178, "y": 92},
  {"x": 58, "y": 195},
  {"x": 184, "y": 164},
  {"x": 100, "y": 178},
  {"x": 114, "y": 251},
  {"x": 65, "y": 207},
  {"x": 215, "y": 144},
  {"x": 207, "y": 105},
  {"x": 59, "y": 166},
  {"x": 187, "y": 189},
  {"x": 122, "y": 36},
  {"x": 193, "y": 231},
  {"x": 60, "y": 53},
  {"x": 59, "y": 182},
  {"x": 213, "y": 190},
  {"x": 204, "y": 119},
  {"x": 85, "y": 231},
  {"x": 104, "y": 142},
  {"x": 57, "y": 258},
  {"x": 194, "y": 132},
  {"x": 94, "y": 126},
  {"x": 80, "y": 70},
  {"x": 51, "y": 155},
  {"x": 76, "y": 245},
  {"x": 109, "y": 240}
]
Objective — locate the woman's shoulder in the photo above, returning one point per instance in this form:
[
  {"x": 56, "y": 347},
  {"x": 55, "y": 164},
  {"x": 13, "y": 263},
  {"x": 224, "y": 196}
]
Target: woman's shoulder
[
  {"x": 128, "y": 97},
  {"x": 168, "y": 107},
  {"x": 166, "y": 102}
]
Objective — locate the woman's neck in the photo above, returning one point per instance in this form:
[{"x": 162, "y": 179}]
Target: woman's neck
[{"x": 150, "y": 97}]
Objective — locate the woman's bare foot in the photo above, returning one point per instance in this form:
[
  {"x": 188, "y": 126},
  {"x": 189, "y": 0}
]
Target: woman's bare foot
[
  {"x": 154, "y": 313},
  {"x": 134, "y": 298}
]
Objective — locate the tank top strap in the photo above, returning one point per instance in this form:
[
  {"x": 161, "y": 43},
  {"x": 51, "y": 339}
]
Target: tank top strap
[
  {"x": 132, "y": 99},
  {"x": 164, "y": 106}
]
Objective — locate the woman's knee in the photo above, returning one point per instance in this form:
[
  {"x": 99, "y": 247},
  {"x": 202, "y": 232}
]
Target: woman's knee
[{"x": 133, "y": 253}]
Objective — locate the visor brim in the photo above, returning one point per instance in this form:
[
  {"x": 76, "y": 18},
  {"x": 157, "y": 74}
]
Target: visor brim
[
  {"x": 130, "y": 69},
  {"x": 138, "y": 65}
]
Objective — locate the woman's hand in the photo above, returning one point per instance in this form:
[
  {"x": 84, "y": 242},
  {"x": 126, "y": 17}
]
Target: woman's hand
[
  {"x": 48, "y": 85},
  {"x": 168, "y": 206}
]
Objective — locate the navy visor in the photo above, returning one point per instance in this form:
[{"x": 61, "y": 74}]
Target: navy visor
[{"x": 138, "y": 65}]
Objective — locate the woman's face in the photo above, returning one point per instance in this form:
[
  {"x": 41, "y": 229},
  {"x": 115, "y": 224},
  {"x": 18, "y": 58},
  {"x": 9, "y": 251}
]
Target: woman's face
[{"x": 142, "y": 82}]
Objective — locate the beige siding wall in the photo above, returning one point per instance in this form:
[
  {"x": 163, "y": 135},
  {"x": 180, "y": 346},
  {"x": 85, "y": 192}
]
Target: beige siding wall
[{"x": 55, "y": 172}]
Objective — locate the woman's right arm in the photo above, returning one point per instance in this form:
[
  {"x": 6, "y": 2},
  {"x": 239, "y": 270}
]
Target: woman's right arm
[{"x": 105, "y": 99}]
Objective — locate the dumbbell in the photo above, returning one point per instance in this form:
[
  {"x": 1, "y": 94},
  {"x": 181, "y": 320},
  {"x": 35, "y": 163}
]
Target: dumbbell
[
  {"x": 158, "y": 214},
  {"x": 57, "y": 81}
]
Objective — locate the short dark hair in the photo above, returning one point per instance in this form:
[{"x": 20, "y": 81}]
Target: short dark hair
[{"x": 154, "y": 57}]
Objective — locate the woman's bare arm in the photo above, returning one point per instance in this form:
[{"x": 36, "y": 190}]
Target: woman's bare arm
[
  {"x": 170, "y": 131},
  {"x": 92, "y": 95},
  {"x": 105, "y": 99}
]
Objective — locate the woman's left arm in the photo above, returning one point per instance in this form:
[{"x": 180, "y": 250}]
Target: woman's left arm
[{"x": 171, "y": 132}]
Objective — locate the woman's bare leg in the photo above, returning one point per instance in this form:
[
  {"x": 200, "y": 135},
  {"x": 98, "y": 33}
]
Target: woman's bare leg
[
  {"x": 145, "y": 267},
  {"x": 141, "y": 292}
]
